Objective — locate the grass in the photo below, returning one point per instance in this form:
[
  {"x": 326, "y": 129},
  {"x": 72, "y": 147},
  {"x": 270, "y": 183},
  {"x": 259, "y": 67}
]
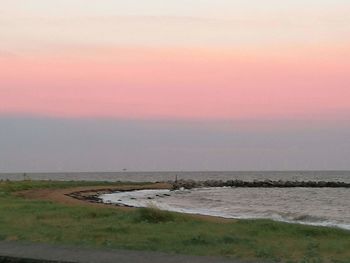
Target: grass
[
  {"x": 152, "y": 229},
  {"x": 154, "y": 215},
  {"x": 7, "y": 187}
]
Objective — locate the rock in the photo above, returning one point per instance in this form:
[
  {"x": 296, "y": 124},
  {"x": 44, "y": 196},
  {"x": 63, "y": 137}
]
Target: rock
[{"x": 189, "y": 184}]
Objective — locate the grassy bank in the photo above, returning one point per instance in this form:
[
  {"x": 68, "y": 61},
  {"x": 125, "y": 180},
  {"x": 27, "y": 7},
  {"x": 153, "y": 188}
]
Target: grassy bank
[{"x": 150, "y": 229}]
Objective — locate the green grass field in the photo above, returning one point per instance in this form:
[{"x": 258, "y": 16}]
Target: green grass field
[{"x": 151, "y": 229}]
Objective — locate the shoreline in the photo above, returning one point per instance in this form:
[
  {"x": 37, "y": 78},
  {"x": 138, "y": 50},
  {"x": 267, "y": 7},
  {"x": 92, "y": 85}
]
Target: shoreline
[
  {"x": 89, "y": 196},
  {"x": 120, "y": 203},
  {"x": 82, "y": 195}
]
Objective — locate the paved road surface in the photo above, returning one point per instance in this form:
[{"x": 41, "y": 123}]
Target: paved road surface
[{"x": 16, "y": 252}]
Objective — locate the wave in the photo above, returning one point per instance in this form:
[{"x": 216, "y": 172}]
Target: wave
[{"x": 186, "y": 202}]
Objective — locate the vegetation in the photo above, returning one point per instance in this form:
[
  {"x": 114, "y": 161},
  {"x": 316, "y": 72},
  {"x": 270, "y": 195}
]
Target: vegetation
[
  {"x": 7, "y": 186},
  {"x": 154, "y": 215},
  {"x": 152, "y": 229}
]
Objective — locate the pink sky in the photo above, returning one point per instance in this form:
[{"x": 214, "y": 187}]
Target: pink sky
[
  {"x": 224, "y": 60},
  {"x": 177, "y": 83}
]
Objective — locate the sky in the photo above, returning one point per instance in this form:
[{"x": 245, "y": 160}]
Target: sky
[{"x": 89, "y": 85}]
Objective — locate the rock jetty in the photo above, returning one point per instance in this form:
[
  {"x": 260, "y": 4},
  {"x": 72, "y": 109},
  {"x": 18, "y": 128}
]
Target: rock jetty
[
  {"x": 189, "y": 184},
  {"x": 92, "y": 196}
]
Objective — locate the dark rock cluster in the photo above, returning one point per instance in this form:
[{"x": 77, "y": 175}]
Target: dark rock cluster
[
  {"x": 92, "y": 196},
  {"x": 189, "y": 184}
]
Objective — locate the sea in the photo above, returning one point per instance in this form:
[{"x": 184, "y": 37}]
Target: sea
[{"x": 313, "y": 206}]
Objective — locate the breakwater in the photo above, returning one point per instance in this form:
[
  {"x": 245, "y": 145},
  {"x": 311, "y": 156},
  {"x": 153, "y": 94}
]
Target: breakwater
[
  {"x": 93, "y": 196},
  {"x": 189, "y": 184}
]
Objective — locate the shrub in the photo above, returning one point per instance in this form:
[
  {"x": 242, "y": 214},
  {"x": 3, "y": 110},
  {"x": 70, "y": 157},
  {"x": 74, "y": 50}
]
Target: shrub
[{"x": 153, "y": 215}]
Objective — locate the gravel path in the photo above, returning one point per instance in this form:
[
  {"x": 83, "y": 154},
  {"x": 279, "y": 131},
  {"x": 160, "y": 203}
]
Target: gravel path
[{"x": 13, "y": 252}]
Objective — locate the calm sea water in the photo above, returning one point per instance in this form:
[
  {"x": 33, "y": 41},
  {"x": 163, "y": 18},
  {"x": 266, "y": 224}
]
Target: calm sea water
[
  {"x": 165, "y": 176},
  {"x": 316, "y": 206}
]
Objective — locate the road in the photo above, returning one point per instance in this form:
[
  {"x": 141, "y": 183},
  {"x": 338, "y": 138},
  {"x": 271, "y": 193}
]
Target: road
[{"x": 19, "y": 252}]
